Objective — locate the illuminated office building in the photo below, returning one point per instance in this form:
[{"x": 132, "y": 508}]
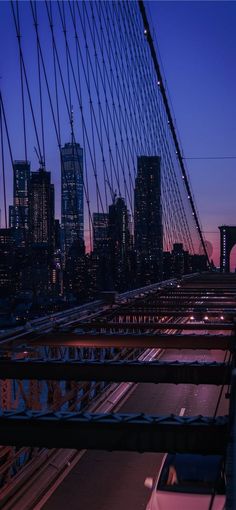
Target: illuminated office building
[
  {"x": 72, "y": 201},
  {"x": 19, "y": 211},
  {"x": 41, "y": 210}
]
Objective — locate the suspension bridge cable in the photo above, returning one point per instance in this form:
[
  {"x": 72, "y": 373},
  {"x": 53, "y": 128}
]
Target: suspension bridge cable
[
  {"x": 81, "y": 107},
  {"x": 17, "y": 28},
  {"x": 150, "y": 129},
  {"x": 89, "y": 92},
  {"x": 103, "y": 67},
  {"x": 114, "y": 124},
  {"x": 75, "y": 198},
  {"x": 94, "y": 117},
  {"x": 162, "y": 89},
  {"x": 55, "y": 80},
  {"x": 66, "y": 102},
  {"x": 3, "y": 162},
  {"x": 79, "y": 99},
  {"x": 35, "y": 16},
  {"x": 22, "y": 88},
  {"x": 170, "y": 183}
]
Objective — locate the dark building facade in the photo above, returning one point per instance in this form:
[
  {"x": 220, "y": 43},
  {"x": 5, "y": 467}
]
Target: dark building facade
[
  {"x": 57, "y": 230},
  {"x": 75, "y": 273},
  {"x": 72, "y": 201},
  {"x": 148, "y": 237},
  {"x": 119, "y": 245},
  {"x": 41, "y": 209},
  {"x": 19, "y": 211},
  {"x": 100, "y": 231},
  {"x": 42, "y": 232},
  {"x": 7, "y": 260}
]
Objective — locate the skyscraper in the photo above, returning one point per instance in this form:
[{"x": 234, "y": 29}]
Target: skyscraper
[
  {"x": 42, "y": 238},
  {"x": 19, "y": 212},
  {"x": 119, "y": 244},
  {"x": 72, "y": 200},
  {"x": 148, "y": 219},
  {"x": 100, "y": 231},
  {"x": 7, "y": 258},
  {"x": 41, "y": 210}
]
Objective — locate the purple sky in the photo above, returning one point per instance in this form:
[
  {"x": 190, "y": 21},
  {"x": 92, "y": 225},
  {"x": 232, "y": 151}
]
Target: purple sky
[{"x": 197, "y": 44}]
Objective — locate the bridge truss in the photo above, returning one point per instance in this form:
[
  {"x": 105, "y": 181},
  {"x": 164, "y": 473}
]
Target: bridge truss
[{"x": 48, "y": 367}]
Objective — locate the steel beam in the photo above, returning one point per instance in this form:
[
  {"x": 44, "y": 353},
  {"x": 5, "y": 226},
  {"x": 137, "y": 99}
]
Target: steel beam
[
  {"x": 191, "y": 291},
  {"x": 126, "y": 432},
  {"x": 194, "y": 341},
  {"x": 153, "y": 312},
  {"x": 231, "y": 451},
  {"x": 142, "y": 326},
  {"x": 173, "y": 304},
  {"x": 152, "y": 371}
]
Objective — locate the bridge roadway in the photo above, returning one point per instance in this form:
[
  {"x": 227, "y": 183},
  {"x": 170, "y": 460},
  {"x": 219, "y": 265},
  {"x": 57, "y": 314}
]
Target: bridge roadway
[{"x": 114, "y": 480}]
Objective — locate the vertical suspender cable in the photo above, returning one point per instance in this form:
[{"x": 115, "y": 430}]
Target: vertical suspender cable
[
  {"x": 17, "y": 28},
  {"x": 22, "y": 87},
  {"x": 3, "y": 162},
  {"x": 171, "y": 123},
  {"x": 34, "y": 10}
]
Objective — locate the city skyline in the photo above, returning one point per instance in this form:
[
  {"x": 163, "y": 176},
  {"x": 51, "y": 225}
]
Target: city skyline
[
  {"x": 117, "y": 318},
  {"x": 172, "y": 22}
]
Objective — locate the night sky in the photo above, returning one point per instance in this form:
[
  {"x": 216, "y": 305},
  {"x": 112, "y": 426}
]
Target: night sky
[{"x": 197, "y": 46}]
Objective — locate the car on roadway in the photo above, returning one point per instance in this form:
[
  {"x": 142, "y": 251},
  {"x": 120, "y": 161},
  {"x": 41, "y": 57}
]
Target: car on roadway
[{"x": 188, "y": 482}]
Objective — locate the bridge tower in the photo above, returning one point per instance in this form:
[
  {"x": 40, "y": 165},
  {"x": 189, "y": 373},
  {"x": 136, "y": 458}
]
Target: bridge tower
[{"x": 227, "y": 242}]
